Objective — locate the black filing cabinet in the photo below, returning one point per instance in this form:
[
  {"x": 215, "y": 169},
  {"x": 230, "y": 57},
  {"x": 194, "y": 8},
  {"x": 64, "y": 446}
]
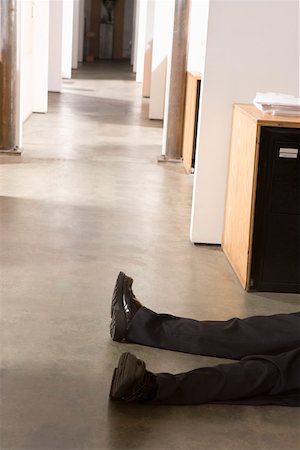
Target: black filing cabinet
[{"x": 275, "y": 263}]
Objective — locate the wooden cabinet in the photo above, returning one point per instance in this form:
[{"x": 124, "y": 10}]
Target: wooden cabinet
[
  {"x": 240, "y": 210},
  {"x": 191, "y": 119}
]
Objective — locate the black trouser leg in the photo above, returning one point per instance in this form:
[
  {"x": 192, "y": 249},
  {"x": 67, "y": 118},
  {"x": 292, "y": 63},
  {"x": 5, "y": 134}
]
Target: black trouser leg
[
  {"x": 254, "y": 380},
  {"x": 232, "y": 339}
]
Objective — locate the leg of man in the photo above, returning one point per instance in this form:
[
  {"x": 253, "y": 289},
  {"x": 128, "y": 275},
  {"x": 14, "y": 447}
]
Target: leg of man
[
  {"x": 254, "y": 380},
  {"x": 232, "y": 339}
]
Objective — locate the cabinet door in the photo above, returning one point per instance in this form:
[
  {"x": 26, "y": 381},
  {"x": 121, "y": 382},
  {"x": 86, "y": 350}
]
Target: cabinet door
[{"x": 276, "y": 240}]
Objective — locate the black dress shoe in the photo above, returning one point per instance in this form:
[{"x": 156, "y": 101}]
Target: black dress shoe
[
  {"x": 131, "y": 381},
  {"x": 124, "y": 305}
]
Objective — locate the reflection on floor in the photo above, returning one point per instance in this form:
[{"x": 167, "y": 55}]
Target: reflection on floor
[{"x": 85, "y": 200}]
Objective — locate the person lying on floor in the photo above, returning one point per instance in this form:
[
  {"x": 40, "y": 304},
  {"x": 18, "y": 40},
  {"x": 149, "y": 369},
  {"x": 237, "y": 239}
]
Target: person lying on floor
[{"x": 267, "y": 349}]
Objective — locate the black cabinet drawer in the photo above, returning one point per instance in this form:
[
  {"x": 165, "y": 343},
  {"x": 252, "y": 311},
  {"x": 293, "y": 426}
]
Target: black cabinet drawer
[{"x": 276, "y": 239}]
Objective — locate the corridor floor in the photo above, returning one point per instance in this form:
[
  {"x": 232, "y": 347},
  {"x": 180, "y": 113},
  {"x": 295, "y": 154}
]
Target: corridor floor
[{"x": 85, "y": 200}]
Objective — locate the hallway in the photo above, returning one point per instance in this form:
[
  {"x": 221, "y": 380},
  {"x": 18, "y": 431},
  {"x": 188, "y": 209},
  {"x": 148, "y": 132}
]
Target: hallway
[{"x": 85, "y": 200}]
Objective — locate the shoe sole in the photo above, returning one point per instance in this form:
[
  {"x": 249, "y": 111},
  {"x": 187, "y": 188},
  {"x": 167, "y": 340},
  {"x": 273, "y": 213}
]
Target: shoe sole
[
  {"x": 118, "y": 325},
  {"x": 125, "y": 377}
]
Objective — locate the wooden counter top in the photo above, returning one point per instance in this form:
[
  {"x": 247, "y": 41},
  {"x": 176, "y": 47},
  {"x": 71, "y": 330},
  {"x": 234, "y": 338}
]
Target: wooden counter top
[{"x": 268, "y": 119}]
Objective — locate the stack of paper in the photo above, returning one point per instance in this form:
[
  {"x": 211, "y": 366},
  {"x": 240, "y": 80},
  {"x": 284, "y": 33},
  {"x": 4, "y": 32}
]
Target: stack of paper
[{"x": 277, "y": 104}]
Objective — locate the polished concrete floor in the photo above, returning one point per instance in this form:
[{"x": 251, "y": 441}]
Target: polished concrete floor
[{"x": 85, "y": 200}]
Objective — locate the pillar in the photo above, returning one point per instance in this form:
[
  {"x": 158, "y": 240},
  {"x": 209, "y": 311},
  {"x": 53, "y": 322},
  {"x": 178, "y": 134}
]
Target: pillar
[
  {"x": 8, "y": 71},
  {"x": 174, "y": 111}
]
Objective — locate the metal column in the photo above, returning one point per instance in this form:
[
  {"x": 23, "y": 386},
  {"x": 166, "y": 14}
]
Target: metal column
[
  {"x": 8, "y": 75},
  {"x": 174, "y": 132}
]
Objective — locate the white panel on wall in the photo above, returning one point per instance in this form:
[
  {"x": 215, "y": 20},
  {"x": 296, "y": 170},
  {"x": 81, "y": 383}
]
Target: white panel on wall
[
  {"x": 161, "y": 55},
  {"x": 251, "y": 46},
  {"x": 197, "y": 34},
  {"x": 75, "y": 40},
  {"x": 67, "y": 38},
  {"x": 135, "y": 28},
  {"x": 19, "y": 122},
  {"x": 40, "y": 55},
  {"x": 150, "y": 20},
  {"x": 141, "y": 39},
  {"x": 133, "y": 33},
  {"x": 26, "y": 88},
  {"x": 55, "y": 45},
  {"x": 148, "y": 48}
]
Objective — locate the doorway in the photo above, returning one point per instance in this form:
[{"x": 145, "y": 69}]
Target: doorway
[{"x": 108, "y": 30}]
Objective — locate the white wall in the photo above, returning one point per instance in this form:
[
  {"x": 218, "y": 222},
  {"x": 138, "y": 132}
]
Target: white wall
[
  {"x": 150, "y": 21},
  {"x": 32, "y": 60},
  {"x": 19, "y": 107},
  {"x": 133, "y": 60},
  {"x": 197, "y": 34},
  {"x": 34, "y": 56},
  {"x": 55, "y": 45},
  {"x": 251, "y": 46},
  {"x": 67, "y": 38},
  {"x": 148, "y": 48},
  {"x": 75, "y": 40},
  {"x": 40, "y": 55},
  {"x": 141, "y": 39},
  {"x": 161, "y": 55},
  {"x": 27, "y": 61}
]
